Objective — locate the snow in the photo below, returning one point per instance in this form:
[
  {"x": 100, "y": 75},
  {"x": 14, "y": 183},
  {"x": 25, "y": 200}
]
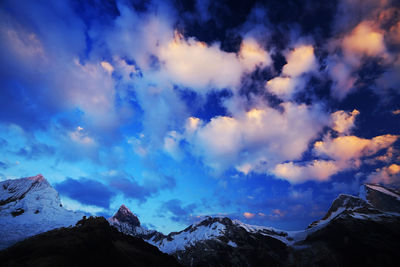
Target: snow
[
  {"x": 190, "y": 237},
  {"x": 42, "y": 209},
  {"x": 383, "y": 190}
]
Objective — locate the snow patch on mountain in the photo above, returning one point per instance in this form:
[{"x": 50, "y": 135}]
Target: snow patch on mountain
[
  {"x": 383, "y": 190},
  {"x": 29, "y": 206},
  {"x": 190, "y": 237}
]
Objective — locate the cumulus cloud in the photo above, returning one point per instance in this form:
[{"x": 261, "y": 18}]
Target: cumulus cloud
[
  {"x": 344, "y": 148},
  {"x": 369, "y": 34},
  {"x": 187, "y": 62},
  {"x": 260, "y": 138},
  {"x": 300, "y": 61},
  {"x": 343, "y": 121},
  {"x": 389, "y": 175},
  {"x": 363, "y": 40},
  {"x": 317, "y": 170}
]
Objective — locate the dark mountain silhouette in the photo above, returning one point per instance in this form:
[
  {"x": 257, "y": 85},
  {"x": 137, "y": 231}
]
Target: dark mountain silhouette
[{"x": 92, "y": 242}]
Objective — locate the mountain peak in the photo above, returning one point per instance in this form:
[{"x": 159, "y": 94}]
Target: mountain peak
[
  {"x": 382, "y": 198},
  {"x": 37, "y": 178},
  {"x": 125, "y": 215}
]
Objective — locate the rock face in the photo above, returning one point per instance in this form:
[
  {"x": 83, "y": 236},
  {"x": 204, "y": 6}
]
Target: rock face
[
  {"x": 92, "y": 242},
  {"x": 29, "y": 206},
  {"x": 382, "y": 198}
]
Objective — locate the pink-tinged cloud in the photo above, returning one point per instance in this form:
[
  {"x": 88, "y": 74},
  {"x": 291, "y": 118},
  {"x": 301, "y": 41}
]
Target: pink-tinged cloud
[
  {"x": 259, "y": 138},
  {"x": 386, "y": 175},
  {"x": 279, "y": 213},
  {"x": 343, "y": 122},
  {"x": 345, "y": 148},
  {"x": 188, "y": 62},
  {"x": 299, "y": 61},
  {"x": 249, "y": 215},
  {"x": 364, "y": 40},
  {"x": 317, "y": 170}
]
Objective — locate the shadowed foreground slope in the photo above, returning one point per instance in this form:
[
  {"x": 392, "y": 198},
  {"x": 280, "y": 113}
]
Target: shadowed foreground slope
[{"x": 93, "y": 242}]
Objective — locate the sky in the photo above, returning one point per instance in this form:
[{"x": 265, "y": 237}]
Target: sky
[{"x": 262, "y": 111}]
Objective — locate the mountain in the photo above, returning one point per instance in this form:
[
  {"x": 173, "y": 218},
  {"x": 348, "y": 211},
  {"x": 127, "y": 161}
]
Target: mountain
[
  {"x": 356, "y": 231},
  {"x": 128, "y": 223},
  {"x": 359, "y": 230},
  {"x": 351, "y": 227},
  {"x": 29, "y": 206},
  {"x": 92, "y": 242}
]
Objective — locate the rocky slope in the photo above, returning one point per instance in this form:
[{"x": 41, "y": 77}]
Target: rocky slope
[
  {"x": 29, "y": 206},
  {"x": 92, "y": 242}
]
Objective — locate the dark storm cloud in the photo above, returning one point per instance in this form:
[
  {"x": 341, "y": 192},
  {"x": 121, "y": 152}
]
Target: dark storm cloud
[
  {"x": 130, "y": 188},
  {"x": 179, "y": 212},
  {"x": 86, "y": 191}
]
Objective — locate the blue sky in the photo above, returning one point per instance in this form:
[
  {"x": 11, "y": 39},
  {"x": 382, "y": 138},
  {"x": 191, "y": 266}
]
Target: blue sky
[{"x": 262, "y": 111}]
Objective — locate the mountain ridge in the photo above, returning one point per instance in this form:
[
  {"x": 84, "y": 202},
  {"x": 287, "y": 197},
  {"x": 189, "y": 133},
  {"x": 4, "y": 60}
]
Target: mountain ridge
[{"x": 218, "y": 240}]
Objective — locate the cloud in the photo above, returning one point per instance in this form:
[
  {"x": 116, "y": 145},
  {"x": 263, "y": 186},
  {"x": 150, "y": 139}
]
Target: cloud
[
  {"x": 46, "y": 66},
  {"x": 171, "y": 145},
  {"x": 261, "y": 137},
  {"x": 300, "y": 60},
  {"x": 187, "y": 62},
  {"x": 86, "y": 191},
  {"x": 343, "y": 122},
  {"x": 364, "y": 40},
  {"x": 131, "y": 188},
  {"x": 344, "y": 148},
  {"x": 317, "y": 170},
  {"x": 178, "y": 211},
  {"x": 389, "y": 175},
  {"x": 249, "y": 215},
  {"x": 344, "y": 152},
  {"x": 80, "y": 137}
]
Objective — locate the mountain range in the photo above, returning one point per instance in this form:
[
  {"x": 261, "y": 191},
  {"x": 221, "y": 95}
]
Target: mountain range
[{"x": 359, "y": 230}]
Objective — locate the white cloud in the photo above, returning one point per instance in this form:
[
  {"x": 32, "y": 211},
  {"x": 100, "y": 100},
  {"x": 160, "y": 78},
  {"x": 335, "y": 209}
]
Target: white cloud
[
  {"x": 344, "y": 148},
  {"x": 195, "y": 64},
  {"x": 300, "y": 61},
  {"x": 343, "y": 122},
  {"x": 317, "y": 170},
  {"x": 386, "y": 175},
  {"x": 257, "y": 139}
]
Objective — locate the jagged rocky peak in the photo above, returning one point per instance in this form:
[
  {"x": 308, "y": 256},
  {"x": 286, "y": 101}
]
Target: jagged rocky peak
[{"x": 125, "y": 215}]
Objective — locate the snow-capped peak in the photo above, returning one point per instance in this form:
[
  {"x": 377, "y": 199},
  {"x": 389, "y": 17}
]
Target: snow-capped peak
[
  {"x": 37, "y": 178},
  {"x": 29, "y": 206}
]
